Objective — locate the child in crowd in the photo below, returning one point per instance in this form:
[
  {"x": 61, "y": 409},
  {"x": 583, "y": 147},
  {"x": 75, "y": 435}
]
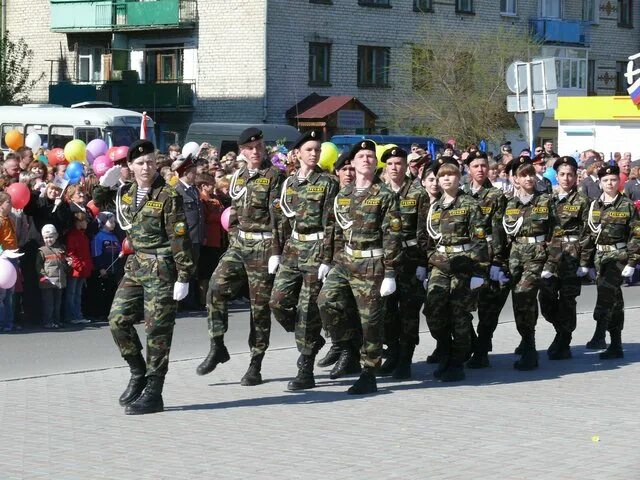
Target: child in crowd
[
  {"x": 51, "y": 266},
  {"x": 108, "y": 269},
  {"x": 79, "y": 253},
  {"x": 8, "y": 241}
]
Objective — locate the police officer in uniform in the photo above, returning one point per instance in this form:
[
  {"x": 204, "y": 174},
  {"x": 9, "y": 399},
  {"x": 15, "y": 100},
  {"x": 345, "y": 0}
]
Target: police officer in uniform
[
  {"x": 306, "y": 200},
  {"x": 156, "y": 276}
]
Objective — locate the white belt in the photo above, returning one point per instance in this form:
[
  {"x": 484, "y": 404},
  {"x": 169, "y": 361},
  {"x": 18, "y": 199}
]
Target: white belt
[
  {"x": 308, "y": 237},
  {"x": 374, "y": 253},
  {"x": 410, "y": 243},
  {"x": 611, "y": 248},
  {"x": 254, "y": 235},
  {"x": 569, "y": 238},
  {"x": 539, "y": 238},
  {"x": 454, "y": 248}
]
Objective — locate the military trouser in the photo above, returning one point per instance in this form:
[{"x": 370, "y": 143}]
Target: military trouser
[
  {"x": 448, "y": 307},
  {"x": 146, "y": 291},
  {"x": 361, "y": 280},
  {"x": 402, "y": 316},
  {"x": 294, "y": 298},
  {"x": 244, "y": 260},
  {"x": 610, "y": 305},
  {"x": 491, "y": 299},
  {"x": 525, "y": 266},
  {"x": 558, "y": 294}
]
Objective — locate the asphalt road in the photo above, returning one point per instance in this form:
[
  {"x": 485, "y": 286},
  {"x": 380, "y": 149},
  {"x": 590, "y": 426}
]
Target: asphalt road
[{"x": 35, "y": 353}]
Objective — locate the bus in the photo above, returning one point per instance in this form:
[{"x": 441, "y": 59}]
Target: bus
[
  {"x": 85, "y": 121},
  {"x": 344, "y": 142}
]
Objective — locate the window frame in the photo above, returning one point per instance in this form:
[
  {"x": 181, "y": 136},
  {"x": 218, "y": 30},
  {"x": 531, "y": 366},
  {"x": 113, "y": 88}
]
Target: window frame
[
  {"x": 323, "y": 82},
  {"x": 373, "y": 50},
  {"x": 85, "y": 57},
  {"x": 375, "y": 3},
  {"x": 506, "y": 13},
  {"x": 621, "y": 81},
  {"x": 594, "y": 4},
  {"x": 545, "y": 14},
  {"x": 591, "y": 78},
  {"x": 628, "y": 22},
  {"x": 460, "y": 9},
  {"x": 418, "y": 8}
]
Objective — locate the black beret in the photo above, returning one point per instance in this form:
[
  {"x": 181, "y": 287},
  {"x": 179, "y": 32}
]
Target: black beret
[
  {"x": 608, "y": 170},
  {"x": 476, "y": 156},
  {"x": 304, "y": 137},
  {"x": 184, "y": 165},
  {"x": 516, "y": 163},
  {"x": 139, "y": 148},
  {"x": 393, "y": 152},
  {"x": 362, "y": 145},
  {"x": 251, "y": 134},
  {"x": 435, "y": 166},
  {"x": 342, "y": 160},
  {"x": 565, "y": 161}
]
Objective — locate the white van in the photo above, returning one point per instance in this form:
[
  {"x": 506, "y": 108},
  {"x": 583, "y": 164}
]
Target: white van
[
  {"x": 224, "y": 136},
  {"x": 86, "y": 121}
]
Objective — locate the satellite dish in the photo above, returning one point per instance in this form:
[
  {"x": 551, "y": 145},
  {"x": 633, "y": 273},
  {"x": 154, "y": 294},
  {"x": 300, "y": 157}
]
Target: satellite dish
[{"x": 517, "y": 77}]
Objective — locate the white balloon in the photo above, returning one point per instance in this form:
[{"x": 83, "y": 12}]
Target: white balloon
[
  {"x": 190, "y": 148},
  {"x": 33, "y": 141}
]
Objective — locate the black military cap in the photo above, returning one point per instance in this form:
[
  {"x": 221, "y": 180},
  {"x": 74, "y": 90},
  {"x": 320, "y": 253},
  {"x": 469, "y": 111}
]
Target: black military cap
[
  {"x": 393, "y": 152},
  {"x": 516, "y": 163},
  {"x": 342, "y": 160},
  {"x": 477, "y": 155},
  {"x": 182, "y": 164},
  {"x": 304, "y": 137},
  {"x": 138, "y": 149},
  {"x": 565, "y": 161},
  {"x": 250, "y": 134},
  {"x": 362, "y": 145},
  {"x": 506, "y": 147},
  {"x": 435, "y": 166},
  {"x": 608, "y": 170}
]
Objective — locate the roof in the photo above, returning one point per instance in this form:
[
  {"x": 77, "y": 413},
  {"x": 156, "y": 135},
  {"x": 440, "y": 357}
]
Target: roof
[
  {"x": 597, "y": 108},
  {"x": 317, "y": 106}
]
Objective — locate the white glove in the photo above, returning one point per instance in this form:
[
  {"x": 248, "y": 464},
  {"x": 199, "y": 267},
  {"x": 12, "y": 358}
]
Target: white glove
[
  {"x": 323, "y": 271},
  {"x": 421, "y": 273},
  {"x": 628, "y": 271},
  {"x": 502, "y": 278},
  {"x": 111, "y": 177},
  {"x": 476, "y": 282},
  {"x": 57, "y": 201},
  {"x": 180, "y": 290},
  {"x": 388, "y": 287},
  {"x": 11, "y": 254},
  {"x": 425, "y": 284},
  {"x": 592, "y": 273},
  {"x": 494, "y": 273},
  {"x": 274, "y": 261},
  {"x": 582, "y": 271},
  {"x": 546, "y": 274}
]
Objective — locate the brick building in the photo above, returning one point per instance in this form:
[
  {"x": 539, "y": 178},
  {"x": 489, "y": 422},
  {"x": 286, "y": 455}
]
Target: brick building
[{"x": 253, "y": 60}]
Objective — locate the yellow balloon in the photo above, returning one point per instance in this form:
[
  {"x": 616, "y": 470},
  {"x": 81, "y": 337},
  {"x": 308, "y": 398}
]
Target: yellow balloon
[
  {"x": 75, "y": 151},
  {"x": 380, "y": 149},
  {"x": 328, "y": 155}
]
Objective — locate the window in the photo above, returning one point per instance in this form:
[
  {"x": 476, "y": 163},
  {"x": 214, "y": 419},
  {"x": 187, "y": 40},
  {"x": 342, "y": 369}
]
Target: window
[
  {"x": 41, "y": 130},
  {"x": 89, "y": 65},
  {"x": 571, "y": 66},
  {"x": 85, "y": 66},
  {"x": 375, "y": 3},
  {"x": 59, "y": 136},
  {"x": 420, "y": 69},
  {"x": 508, "y": 7},
  {"x": 625, "y": 9},
  {"x": 591, "y": 77},
  {"x": 464, "y": 6},
  {"x": 87, "y": 134},
  {"x": 164, "y": 64},
  {"x": 621, "y": 81},
  {"x": 319, "y": 63},
  {"x": 551, "y": 8},
  {"x": 590, "y": 11},
  {"x": 423, "y": 5},
  {"x": 373, "y": 66}
]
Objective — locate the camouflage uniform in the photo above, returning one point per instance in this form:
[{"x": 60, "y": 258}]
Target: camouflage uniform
[
  {"x": 162, "y": 256},
  {"x": 459, "y": 254},
  {"x": 368, "y": 246},
  {"x": 256, "y": 232},
  {"x": 296, "y": 287}
]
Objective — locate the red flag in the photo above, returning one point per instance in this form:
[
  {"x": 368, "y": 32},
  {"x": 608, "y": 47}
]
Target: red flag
[{"x": 143, "y": 126}]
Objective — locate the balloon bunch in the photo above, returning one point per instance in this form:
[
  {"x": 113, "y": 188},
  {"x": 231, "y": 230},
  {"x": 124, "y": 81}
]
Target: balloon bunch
[{"x": 74, "y": 172}]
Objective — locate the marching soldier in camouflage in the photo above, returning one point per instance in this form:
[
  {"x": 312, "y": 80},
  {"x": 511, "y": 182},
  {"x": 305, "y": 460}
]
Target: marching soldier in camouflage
[
  {"x": 368, "y": 236},
  {"x": 615, "y": 231},
  {"x": 306, "y": 200},
  {"x": 403, "y": 307},
  {"x": 528, "y": 221},
  {"x": 156, "y": 277},
  {"x": 568, "y": 258},
  {"x": 494, "y": 293},
  {"x": 459, "y": 260},
  {"x": 256, "y": 233}
]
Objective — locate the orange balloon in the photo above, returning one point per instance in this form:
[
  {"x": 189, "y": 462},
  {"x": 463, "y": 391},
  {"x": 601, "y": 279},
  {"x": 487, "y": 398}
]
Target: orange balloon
[{"x": 14, "y": 139}]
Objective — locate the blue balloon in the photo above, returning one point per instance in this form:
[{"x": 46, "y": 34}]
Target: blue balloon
[
  {"x": 551, "y": 174},
  {"x": 74, "y": 171}
]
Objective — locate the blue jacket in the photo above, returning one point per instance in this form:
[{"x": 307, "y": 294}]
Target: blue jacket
[{"x": 105, "y": 248}]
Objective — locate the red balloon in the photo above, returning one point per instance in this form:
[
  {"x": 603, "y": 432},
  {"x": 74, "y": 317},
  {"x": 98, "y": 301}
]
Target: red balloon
[
  {"x": 111, "y": 153},
  {"x": 93, "y": 208},
  {"x": 56, "y": 156},
  {"x": 127, "y": 248},
  {"x": 20, "y": 195},
  {"x": 121, "y": 153}
]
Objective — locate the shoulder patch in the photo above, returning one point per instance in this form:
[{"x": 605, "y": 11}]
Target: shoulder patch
[
  {"x": 571, "y": 208},
  {"x": 410, "y": 202},
  {"x": 618, "y": 215},
  {"x": 512, "y": 211},
  {"x": 315, "y": 188},
  {"x": 153, "y": 204},
  {"x": 540, "y": 210},
  {"x": 458, "y": 211},
  {"x": 180, "y": 229},
  {"x": 372, "y": 201},
  {"x": 486, "y": 210},
  {"x": 435, "y": 216},
  {"x": 262, "y": 181},
  {"x": 126, "y": 198}
]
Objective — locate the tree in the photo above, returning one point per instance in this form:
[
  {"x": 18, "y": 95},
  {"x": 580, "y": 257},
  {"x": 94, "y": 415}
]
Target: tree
[
  {"x": 15, "y": 71},
  {"x": 458, "y": 84}
]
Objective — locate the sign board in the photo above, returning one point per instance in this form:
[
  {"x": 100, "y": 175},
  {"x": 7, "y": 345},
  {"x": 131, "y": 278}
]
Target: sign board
[
  {"x": 523, "y": 123},
  {"x": 634, "y": 85},
  {"x": 350, "y": 119},
  {"x": 519, "y": 103}
]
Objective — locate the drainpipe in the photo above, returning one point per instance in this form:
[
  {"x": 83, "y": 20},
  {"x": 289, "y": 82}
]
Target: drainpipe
[
  {"x": 3, "y": 28},
  {"x": 265, "y": 70}
]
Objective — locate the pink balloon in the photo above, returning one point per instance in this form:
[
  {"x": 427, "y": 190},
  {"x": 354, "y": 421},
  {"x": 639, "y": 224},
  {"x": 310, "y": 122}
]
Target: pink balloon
[
  {"x": 101, "y": 165},
  {"x": 224, "y": 219},
  {"x": 8, "y": 274}
]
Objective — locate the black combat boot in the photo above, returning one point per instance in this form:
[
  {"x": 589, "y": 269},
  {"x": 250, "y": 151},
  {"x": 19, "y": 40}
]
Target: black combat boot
[
  {"x": 520, "y": 348},
  {"x": 480, "y": 357},
  {"x": 435, "y": 355},
  {"x": 217, "y": 354},
  {"x": 454, "y": 372},
  {"x": 137, "y": 381},
  {"x": 365, "y": 384},
  {"x": 389, "y": 365},
  {"x": 151, "y": 399},
  {"x": 599, "y": 340},
  {"x": 348, "y": 363},
  {"x": 557, "y": 341},
  {"x": 529, "y": 359},
  {"x": 562, "y": 350},
  {"x": 403, "y": 368},
  {"x": 331, "y": 357},
  {"x": 253, "y": 376},
  {"x": 319, "y": 343},
  {"x": 444, "y": 352},
  {"x": 615, "y": 349},
  {"x": 304, "y": 379}
]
